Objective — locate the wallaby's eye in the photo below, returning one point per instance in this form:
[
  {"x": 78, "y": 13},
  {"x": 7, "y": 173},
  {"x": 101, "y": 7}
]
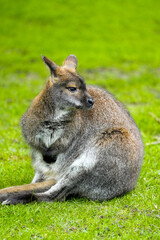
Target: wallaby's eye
[{"x": 72, "y": 89}]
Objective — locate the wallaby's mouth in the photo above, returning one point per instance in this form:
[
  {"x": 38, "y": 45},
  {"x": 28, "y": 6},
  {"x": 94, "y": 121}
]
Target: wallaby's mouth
[{"x": 86, "y": 104}]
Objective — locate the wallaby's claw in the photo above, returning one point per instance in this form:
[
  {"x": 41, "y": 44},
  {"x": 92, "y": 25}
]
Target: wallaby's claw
[{"x": 6, "y": 202}]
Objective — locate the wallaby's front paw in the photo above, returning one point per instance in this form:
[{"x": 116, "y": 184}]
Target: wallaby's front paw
[
  {"x": 51, "y": 196},
  {"x": 22, "y": 198}
]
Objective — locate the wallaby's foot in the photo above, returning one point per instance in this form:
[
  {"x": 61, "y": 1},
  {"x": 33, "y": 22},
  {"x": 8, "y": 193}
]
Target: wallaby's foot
[
  {"x": 48, "y": 196},
  {"x": 20, "y": 198},
  {"x": 24, "y": 193},
  {"x": 24, "y": 198}
]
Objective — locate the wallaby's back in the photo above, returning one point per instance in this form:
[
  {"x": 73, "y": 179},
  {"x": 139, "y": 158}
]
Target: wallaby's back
[{"x": 120, "y": 146}]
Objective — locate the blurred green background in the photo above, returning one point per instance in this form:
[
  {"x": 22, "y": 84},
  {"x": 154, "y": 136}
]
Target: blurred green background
[
  {"x": 117, "y": 46},
  {"x": 100, "y": 33}
]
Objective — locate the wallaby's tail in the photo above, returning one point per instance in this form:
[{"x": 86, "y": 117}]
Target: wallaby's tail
[{"x": 27, "y": 189}]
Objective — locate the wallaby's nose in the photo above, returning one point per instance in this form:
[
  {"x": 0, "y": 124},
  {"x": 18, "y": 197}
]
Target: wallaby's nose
[{"x": 90, "y": 101}]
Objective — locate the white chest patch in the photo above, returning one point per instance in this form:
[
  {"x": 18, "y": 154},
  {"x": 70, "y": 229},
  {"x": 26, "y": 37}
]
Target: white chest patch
[{"x": 48, "y": 137}]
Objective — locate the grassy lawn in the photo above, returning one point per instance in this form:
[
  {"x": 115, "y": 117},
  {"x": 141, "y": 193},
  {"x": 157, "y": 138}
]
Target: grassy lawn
[{"x": 117, "y": 45}]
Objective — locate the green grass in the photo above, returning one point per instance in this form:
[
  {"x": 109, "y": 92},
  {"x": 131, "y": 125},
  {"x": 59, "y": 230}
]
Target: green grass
[{"x": 117, "y": 45}]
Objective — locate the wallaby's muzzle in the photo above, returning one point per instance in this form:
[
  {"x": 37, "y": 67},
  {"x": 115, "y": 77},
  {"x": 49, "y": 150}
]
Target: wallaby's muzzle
[{"x": 87, "y": 101}]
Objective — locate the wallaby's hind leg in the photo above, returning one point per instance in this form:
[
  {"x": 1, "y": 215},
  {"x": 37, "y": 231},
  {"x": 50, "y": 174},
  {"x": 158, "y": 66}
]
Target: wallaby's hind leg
[
  {"x": 104, "y": 170},
  {"x": 75, "y": 174},
  {"x": 23, "y": 193},
  {"x": 118, "y": 168}
]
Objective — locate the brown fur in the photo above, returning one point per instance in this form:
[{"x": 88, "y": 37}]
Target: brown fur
[{"x": 83, "y": 141}]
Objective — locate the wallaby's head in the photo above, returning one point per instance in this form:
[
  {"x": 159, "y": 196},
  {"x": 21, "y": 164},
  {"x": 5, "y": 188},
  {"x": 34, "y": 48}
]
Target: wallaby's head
[{"x": 67, "y": 88}]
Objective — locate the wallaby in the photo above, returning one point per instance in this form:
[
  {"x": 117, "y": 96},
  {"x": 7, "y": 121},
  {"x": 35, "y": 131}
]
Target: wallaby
[{"x": 83, "y": 141}]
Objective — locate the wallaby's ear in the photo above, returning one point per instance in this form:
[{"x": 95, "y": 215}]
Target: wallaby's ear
[
  {"x": 71, "y": 62},
  {"x": 52, "y": 66}
]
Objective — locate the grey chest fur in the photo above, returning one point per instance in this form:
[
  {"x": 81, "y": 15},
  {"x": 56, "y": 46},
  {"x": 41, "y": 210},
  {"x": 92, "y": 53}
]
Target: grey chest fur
[{"x": 48, "y": 136}]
